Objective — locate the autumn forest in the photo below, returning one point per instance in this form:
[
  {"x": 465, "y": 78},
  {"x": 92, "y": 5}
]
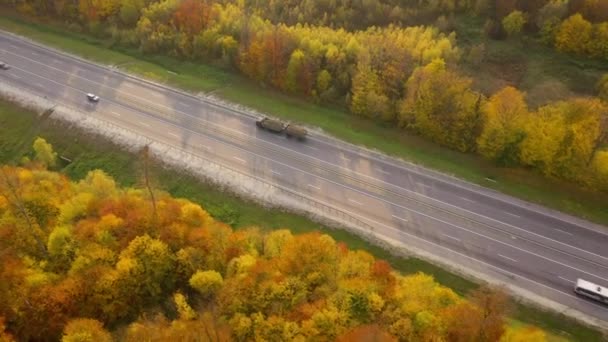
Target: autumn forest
[{"x": 89, "y": 261}]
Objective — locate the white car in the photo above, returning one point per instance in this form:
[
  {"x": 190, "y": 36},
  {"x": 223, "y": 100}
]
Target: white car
[
  {"x": 4, "y": 66},
  {"x": 93, "y": 97}
]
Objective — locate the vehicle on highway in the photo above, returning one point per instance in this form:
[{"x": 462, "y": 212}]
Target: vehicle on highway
[
  {"x": 92, "y": 97},
  {"x": 4, "y": 66},
  {"x": 590, "y": 290},
  {"x": 272, "y": 125},
  {"x": 295, "y": 131},
  {"x": 276, "y": 126}
]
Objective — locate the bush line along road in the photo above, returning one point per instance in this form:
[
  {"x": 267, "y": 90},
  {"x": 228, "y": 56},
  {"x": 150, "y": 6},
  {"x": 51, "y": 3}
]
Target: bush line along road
[{"x": 526, "y": 246}]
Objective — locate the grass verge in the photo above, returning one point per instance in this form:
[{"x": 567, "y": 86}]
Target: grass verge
[
  {"x": 19, "y": 127},
  {"x": 521, "y": 183}
]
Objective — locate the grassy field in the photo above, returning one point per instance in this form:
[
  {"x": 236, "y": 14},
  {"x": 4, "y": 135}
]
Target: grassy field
[
  {"x": 196, "y": 77},
  {"x": 528, "y": 64},
  {"x": 18, "y": 129}
]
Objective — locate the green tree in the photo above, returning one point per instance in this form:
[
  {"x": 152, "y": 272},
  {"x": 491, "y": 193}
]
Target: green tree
[
  {"x": 130, "y": 11},
  {"x": 514, "y": 23},
  {"x": 294, "y": 67},
  {"x": 44, "y": 152}
]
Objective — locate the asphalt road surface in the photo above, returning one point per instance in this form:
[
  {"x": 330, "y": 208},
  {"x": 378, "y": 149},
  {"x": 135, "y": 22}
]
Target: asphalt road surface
[{"x": 528, "y": 246}]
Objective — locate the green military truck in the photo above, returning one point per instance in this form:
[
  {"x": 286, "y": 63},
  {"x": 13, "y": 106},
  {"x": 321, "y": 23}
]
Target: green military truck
[
  {"x": 272, "y": 125},
  {"x": 295, "y": 132},
  {"x": 276, "y": 126}
]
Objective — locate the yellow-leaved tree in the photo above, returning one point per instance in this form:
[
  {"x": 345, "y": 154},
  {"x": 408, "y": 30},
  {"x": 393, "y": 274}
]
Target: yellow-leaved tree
[
  {"x": 503, "y": 120},
  {"x": 574, "y": 35}
]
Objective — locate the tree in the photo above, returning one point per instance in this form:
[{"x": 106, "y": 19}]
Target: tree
[
  {"x": 145, "y": 270},
  {"x": 44, "y": 152},
  {"x": 62, "y": 247},
  {"x": 583, "y": 118},
  {"x": 514, "y": 23},
  {"x": 130, "y": 11},
  {"x": 463, "y": 322},
  {"x": 367, "y": 97},
  {"x": 191, "y": 16},
  {"x": 502, "y": 131},
  {"x": 494, "y": 305},
  {"x": 574, "y": 35},
  {"x": 544, "y": 132},
  {"x": 294, "y": 67},
  {"x": 85, "y": 330},
  {"x": 184, "y": 310},
  {"x": 275, "y": 242},
  {"x": 206, "y": 283},
  {"x": 598, "y": 46},
  {"x": 440, "y": 105}
]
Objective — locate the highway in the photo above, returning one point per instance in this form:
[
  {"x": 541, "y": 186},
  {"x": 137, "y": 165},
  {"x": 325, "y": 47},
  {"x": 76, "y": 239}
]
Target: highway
[{"x": 530, "y": 247}]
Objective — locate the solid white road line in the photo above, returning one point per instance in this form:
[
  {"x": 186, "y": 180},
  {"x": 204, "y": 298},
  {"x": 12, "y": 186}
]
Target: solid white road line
[
  {"x": 563, "y": 231},
  {"x": 355, "y": 202},
  {"x": 400, "y": 218},
  {"x": 451, "y": 237},
  {"x": 239, "y": 159},
  {"x": 506, "y": 257},
  {"x": 467, "y": 199}
]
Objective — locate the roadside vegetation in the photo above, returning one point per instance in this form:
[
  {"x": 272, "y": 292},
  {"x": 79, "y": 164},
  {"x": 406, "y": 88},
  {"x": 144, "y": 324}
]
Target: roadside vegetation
[
  {"x": 89, "y": 248},
  {"x": 19, "y": 132},
  {"x": 355, "y": 83},
  {"x": 89, "y": 254}
]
